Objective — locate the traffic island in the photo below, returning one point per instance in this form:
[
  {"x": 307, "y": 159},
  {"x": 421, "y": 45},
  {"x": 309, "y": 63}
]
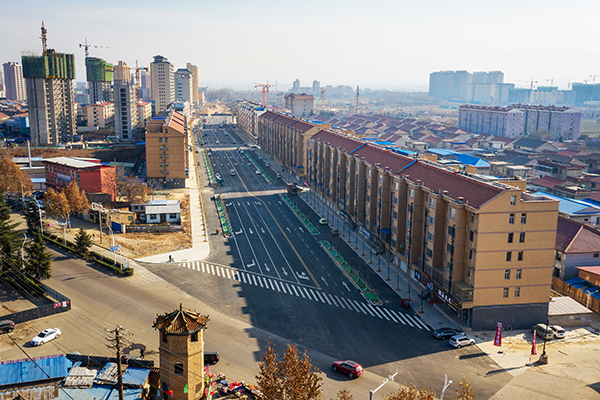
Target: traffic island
[
  {"x": 303, "y": 218},
  {"x": 209, "y": 171},
  {"x": 223, "y": 217},
  {"x": 356, "y": 280}
]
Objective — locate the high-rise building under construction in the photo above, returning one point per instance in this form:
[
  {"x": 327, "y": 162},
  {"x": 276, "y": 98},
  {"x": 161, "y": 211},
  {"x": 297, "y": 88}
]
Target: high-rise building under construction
[
  {"x": 49, "y": 81},
  {"x": 99, "y": 77}
]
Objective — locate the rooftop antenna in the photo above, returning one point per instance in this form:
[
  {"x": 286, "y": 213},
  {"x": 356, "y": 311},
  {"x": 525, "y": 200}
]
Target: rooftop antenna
[{"x": 44, "y": 38}]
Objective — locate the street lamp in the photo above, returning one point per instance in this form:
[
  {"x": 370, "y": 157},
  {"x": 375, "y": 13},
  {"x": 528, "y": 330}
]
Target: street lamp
[
  {"x": 446, "y": 384},
  {"x": 389, "y": 378}
]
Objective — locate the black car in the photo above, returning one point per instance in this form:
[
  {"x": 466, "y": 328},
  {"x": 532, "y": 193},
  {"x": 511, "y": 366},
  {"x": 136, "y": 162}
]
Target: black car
[
  {"x": 446, "y": 333},
  {"x": 211, "y": 357},
  {"x": 6, "y": 326}
]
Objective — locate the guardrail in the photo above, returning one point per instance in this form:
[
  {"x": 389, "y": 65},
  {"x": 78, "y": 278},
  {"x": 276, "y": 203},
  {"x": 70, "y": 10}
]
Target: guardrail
[
  {"x": 303, "y": 218},
  {"x": 349, "y": 272}
]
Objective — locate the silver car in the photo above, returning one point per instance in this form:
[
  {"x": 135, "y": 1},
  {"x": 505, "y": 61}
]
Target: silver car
[{"x": 458, "y": 341}]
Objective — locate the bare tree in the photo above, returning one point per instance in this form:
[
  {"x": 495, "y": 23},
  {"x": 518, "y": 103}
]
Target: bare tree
[
  {"x": 13, "y": 179},
  {"x": 66, "y": 203},
  {"x": 344, "y": 394},
  {"x": 292, "y": 378},
  {"x": 129, "y": 187},
  {"x": 410, "y": 392}
]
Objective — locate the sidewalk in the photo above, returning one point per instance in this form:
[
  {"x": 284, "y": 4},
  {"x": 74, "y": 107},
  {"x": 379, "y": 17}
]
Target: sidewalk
[{"x": 395, "y": 276}]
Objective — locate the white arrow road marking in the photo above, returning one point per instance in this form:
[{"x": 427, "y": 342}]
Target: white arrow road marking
[
  {"x": 248, "y": 203},
  {"x": 228, "y": 204},
  {"x": 303, "y": 276},
  {"x": 252, "y": 264},
  {"x": 324, "y": 281},
  {"x": 239, "y": 233},
  {"x": 250, "y": 229},
  {"x": 301, "y": 230},
  {"x": 280, "y": 202},
  {"x": 263, "y": 231},
  {"x": 267, "y": 267},
  {"x": 288, "y": 229},
  {"x": 346, "y": 285}
]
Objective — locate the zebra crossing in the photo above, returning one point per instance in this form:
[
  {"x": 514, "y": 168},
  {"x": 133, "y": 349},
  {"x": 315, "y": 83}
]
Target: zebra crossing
[{"x": 304, "y": 292}]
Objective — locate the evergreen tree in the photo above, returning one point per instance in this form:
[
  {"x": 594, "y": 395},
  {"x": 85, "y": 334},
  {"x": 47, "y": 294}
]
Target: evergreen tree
[
  {"x": 9, "y": 241},
  {"x": 32, "y": 217},
  {"x": 39, "y": 261},
  {"x": 4, "y": 208},
  {"x": 83, "y": 242}
]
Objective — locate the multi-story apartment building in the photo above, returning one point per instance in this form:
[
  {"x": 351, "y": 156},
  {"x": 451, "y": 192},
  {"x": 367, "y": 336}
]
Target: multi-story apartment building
[
  {"x": 49, "y": 80},
  {"x": 285, "y": 139},
  {"x": 247, "y": 114},
  {"x": 145, "y": 85},
  {"x": 300, "y": 105},
  {"x": 518, "y": 119},
  {"x": 89, "y": 174},
  {"x": 14, "y": 82},
  {"x": 144, "y": 113},
  {"x": 194, "y": 70},
  {"x": 449, "y": 85},
  {"x": 163, "y": 83},
  {"x": 126, "y": 111},
  {"x": 485, "y": 248},
  {"x": 183, "y": 85},
  {"x": 99, "y": 77},
  {"x": 122, "y": 72},
  {"x": 101, "y": 114},
  {"x": 167, "y": 149}
]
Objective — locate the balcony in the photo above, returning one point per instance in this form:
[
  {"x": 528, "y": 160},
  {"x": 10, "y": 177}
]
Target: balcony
[{"x": 462, "y": 291}]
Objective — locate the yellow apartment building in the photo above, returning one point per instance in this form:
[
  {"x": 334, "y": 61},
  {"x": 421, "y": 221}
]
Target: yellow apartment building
[
  {"x": 247, "y": 115},
  {"x": 485, "y": 248},
  {"x": 101, "y": 114},
  {"x": 167, "y": 146}
]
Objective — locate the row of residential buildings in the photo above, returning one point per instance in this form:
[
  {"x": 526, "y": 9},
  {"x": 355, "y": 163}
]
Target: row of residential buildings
[
  {"x": 485, "y": 245},
  {"x": 489, "y": 88}
]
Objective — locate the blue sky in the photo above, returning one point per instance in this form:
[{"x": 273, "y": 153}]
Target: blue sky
[{"x": 377, "y": 43}]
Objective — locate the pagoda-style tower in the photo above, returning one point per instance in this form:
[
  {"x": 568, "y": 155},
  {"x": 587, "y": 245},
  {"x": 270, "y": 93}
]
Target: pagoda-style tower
[{"x": 181, "y": 347}]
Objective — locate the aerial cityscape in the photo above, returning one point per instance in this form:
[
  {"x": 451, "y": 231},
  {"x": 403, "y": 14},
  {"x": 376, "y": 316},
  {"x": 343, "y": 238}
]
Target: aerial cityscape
[{"x": 202, "y": 201}]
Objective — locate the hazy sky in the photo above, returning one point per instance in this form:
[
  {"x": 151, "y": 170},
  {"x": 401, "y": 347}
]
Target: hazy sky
[{"x": 371, "y": 43}]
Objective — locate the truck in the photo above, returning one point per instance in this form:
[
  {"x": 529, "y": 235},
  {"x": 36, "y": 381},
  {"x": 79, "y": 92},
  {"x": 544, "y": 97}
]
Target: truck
[{"x": 292, "y": 188}]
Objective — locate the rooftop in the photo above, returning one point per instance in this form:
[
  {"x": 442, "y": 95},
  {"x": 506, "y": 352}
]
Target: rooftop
[{"x": 181, "y": 322}]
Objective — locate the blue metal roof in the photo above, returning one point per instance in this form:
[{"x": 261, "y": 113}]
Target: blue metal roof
[
  {"x": 442, "y": 152},
  {"x": 136, "y": 376},
  {"x": 25, "y": 371},
  {"x": 385, "y": 143},
  {"x": 572, "y": 206},
  {"x": 470, "y": 160},
  {"x": 98, "y": 393}
]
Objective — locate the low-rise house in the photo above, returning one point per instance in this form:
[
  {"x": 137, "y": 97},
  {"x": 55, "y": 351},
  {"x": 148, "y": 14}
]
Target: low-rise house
[
  {"x": 577, "y": 245},
  {"x": 158, "y": 211}
]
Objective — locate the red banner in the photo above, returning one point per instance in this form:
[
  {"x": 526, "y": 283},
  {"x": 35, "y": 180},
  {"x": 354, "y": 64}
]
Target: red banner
[
  {"x": 498, "y": 338},
  {"x": 533, "y": 349}
]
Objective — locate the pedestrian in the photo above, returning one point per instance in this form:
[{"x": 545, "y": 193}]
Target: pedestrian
[
  {"x": 141, "y": 352},
  {"x": 217, "y": 231},
  {"x": 170, "y": 258}
]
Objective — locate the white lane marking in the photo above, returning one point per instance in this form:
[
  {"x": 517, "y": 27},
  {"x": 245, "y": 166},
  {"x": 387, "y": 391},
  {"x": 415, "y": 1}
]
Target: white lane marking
[
  {"x": 212, "y": 267},
  {"x": 340, "y": 301},
  {"x": 307, "y": 295},
  {"x": 228, "y": 275},
  {"x": 397, "y": 316},
  {"x": 389, "y": 314},
  {"x": 333, "y": 299},
  {"x": 203, "y": 267},
  {"x": 367, "y": 308}
]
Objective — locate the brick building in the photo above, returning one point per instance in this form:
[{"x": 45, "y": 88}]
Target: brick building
[{"x": 89, "y": 174}]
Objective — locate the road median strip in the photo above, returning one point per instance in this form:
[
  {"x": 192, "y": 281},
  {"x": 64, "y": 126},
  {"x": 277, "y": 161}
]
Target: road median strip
[
  {"x": 223, "y": 217},
  {"x": 349, "y": 272},
  {"x": 259, "y": 168},
  {"x": 303, "y": 218},
  {"x": 211, "y": 177}
]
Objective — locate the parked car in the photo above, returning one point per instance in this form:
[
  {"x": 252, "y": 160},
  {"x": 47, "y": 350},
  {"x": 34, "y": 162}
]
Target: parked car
[
  {"x": 348, "y": 367},
  {"x": 211, "y": 357},
  {"x": 6, "y": 326},
  {"x": 458, "y": 341},
  {"x": 559, "y": 332},
  {"x": 446, "y": 333},
  {"x": 45, "y": 336},
  {"x": 550, "y": 332},
  {"x": 267, "y": 164},
  {"x": 279, "y": 175},
  {"x": 258, "y": 172},
  {"x": 323, "y": 221}
]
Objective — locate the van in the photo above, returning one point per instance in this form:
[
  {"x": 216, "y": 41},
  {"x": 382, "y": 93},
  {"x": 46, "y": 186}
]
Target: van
[
  {"x": 559, "y": 332},
  {"x": 232, "y": 172},
  {"x": 6, "y": 326},
  {"x": 211, "y": 357},
  {"x": 543, "y": 330}
]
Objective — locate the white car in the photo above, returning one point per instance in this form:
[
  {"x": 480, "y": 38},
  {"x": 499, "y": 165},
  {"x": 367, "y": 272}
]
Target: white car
[
  {"x": 45, "y": 336},
  {"x": 458, "y": 341}
]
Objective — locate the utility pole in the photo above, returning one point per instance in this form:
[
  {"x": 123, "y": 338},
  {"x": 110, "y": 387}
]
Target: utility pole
[{"x": 115, "y": 344}]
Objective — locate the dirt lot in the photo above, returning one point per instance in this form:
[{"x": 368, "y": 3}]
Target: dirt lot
[{"x": 105, "y": 155}]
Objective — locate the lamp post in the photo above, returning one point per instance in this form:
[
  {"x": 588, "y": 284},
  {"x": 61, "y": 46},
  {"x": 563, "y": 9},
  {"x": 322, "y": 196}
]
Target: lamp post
[
  {"x": 389, "y": 378},
  {"x": 446, "y": 384}
]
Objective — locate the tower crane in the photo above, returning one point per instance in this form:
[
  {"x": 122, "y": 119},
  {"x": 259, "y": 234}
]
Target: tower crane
[
  {"x": 264, "y": 92},
  {"x": 532, "y": 82},
  {"x": 322, "y": 97},
  {"x": 44, "y": 39},
  {"x": 86, "y": 46}
]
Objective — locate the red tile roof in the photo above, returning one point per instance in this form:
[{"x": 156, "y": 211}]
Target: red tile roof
[
  {"x": 592, "y": 270},
  {"x": 548, "y": 181},
  {"x": 302, "y": 126},
  {"x": 181, "y": 322},
  {"x": 574, "y": 237}
]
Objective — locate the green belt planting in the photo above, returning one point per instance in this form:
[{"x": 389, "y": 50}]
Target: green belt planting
[
  {"x": 311, "y": 228},
  {"x": 223, "y": 217},
  {"x": 258, "y": 167},
  {"x": 211, "y": 177},
  {"x": 349, "y": 272}
]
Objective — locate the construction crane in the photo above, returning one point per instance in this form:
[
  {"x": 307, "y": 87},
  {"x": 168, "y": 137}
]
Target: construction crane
[
  {"x": 532, "y": 82},
  {"x": 322, "y": 97},
  {"x": 264, "y": 92},
  {"x": 137, "y": 80},
  {"x": 87, "y": 47},
  {"x": 356, "y": 101},
  {"x": 44, "y": 39}
]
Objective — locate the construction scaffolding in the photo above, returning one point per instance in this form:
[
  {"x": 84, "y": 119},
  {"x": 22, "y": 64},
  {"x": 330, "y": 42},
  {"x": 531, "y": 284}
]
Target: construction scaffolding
[
  {"x": 52, "y": 65},
  {"x": 98, "y": 70}
]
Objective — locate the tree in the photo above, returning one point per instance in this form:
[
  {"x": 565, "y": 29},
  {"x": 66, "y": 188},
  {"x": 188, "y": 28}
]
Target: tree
[
  {"x": 66, "y": 203},
  {"x": 344, "y": 394},
  {"x": 12, "y": 178},
  {"x": 292, "y": 378},
  {"x": 9, "y": 242},
  {"x": 83, "y": 242},
  {"x": 39, "y": 260},
  {"x": 129, "y": 187},
  {"x": 32, "y": 217},
  {"x": 410, "y": 392},
  {"x": 465, "y": 392},
  {"x": 4, "y": 208}
]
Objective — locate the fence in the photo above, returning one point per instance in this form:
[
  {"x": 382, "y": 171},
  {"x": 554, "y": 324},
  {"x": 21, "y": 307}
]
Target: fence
[{"x": 61, "y": 304}]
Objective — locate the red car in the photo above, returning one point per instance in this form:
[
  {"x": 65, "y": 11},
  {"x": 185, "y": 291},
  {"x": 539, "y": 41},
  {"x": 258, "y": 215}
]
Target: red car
[{"x": 350, "y": 368}]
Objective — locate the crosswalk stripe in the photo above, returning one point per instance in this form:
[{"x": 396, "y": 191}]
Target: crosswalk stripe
[
  {"x": 271, "y": 283},
  {"x": 415, "y": 322},
  {"x": 362, "y": 306},
  {"x": 319, "y": 297},
  {"x": 283, "y": 288},
  {"x": 397, "y": 316},
  {"x": 347, "y": 303},
  {"x": 307, "y": 295},
  {"x": 277, "y": 286},
  {"x": 316, "y": 296},
  {"x": 326, "y": 298},
  {"x": 254, "y": 280},
  {"x": 243, "y": 277},
  {"x": 202, "y": 267},
  {"x": 332, "y": 299},
  {"x": 388, "y": 313},
  {"x": 236, "y": 276},
  {"x": 358, "y": 307},
  {"x": 218, "y": 272},
  {"x": 406, "y": 319},
  {"x": 228, "y": 275},
  {"x": 340, "y": 301},
  {"x": 378, "y": 311},
  {"x": 419, "y": 323},
  {"x": 212, "y": 267},
  {"x": 288, "y": 288},
  {"x": 302, "y": 294}
]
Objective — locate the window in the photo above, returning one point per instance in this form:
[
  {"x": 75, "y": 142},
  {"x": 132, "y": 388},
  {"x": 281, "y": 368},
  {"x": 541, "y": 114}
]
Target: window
[
  {"x": 520, "y": 256},
  {"x": 194, "y": 337},
  {"x": 163, "y": 336},
  {"x": 511, "y": 219},
  {"x": 452, "y": 212},
  {"x": 522, "y": 237},
  {"x": 595, "y": 255},
  {"x": 469, "y": 273},
  {"x": 430, "y": 236},
  {"x": 178, "y": 368},
  {"x": 470, "y": 254},
  {"x": 451, "y": 230},
  {"x": 509, "y": 256},
  {"x": 160, "y": 148},
  {"x": 472, "y": 218},
  {"x": 507, "y": 274},
  {"x": 411, "y": 193},
  {"x": 523, "y": 218},
  {"x": 471, "y": 235},
  {"x": 517, "y": 292},
  {"x": 519, "y": 274},
  {"x": 510, "y": 237},
  {"x": 431, "y": 220},
  {"x": 432, "y": 203},
  {"x": 450, "y": 248},
  {"x": 429, "y": 252},
  {"x": 505, "y": 292},
  {"x": 513, "y": 200},
  {"x": 159, "y": 140}
]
